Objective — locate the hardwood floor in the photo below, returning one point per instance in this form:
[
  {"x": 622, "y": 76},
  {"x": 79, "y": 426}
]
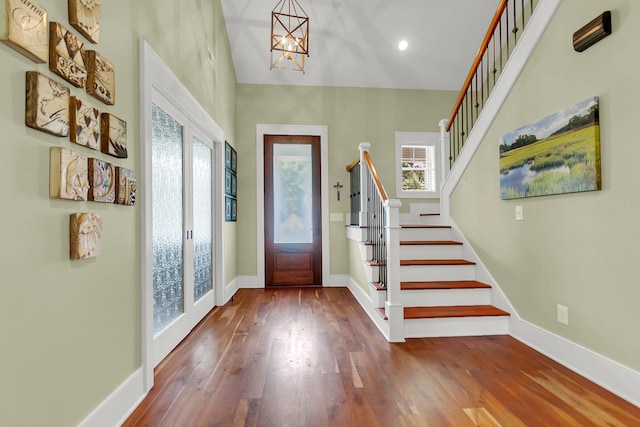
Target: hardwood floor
[{"x": 312, "y": 357}]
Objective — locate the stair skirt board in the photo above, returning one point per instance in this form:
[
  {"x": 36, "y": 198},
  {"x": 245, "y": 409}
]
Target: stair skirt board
[
  {"x": 456, "y": 327},
  {"x": 371, "y": 273},
  {"x": 366, "y": 250},
  {"x": 377, "y": 294},
  {"x": 440, "y": 297}
]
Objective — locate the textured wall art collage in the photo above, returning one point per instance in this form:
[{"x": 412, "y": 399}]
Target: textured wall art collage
[{"x": 50, "y": 107}]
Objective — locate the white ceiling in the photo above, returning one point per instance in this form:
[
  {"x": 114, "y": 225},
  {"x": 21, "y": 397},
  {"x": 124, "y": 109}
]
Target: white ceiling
[{"x": 354, "y": 43}]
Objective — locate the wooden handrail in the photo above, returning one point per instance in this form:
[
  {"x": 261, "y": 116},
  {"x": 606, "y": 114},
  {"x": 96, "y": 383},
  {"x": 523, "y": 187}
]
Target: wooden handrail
[
  {"x": 353, "y": 164},
  {"x": 375, "y": 176},
  {"x": 476, "y": 62}
]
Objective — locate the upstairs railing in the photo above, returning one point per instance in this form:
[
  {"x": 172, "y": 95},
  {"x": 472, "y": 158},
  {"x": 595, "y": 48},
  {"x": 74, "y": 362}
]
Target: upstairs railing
[{"x": 502, "y": 35}]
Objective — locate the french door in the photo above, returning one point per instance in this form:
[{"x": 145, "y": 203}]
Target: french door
[
  {"x": 292, "y": 214},
  {"x": 182, "y": 164}
]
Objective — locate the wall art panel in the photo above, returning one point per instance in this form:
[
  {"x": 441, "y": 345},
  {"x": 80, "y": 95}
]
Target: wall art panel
[
  {"x": 126, "y": 186},
  {"x": 66, "y": 55},
  {"x": 101, "y": 77},
  {"x": 23, "y": 26},
  {"x": 113, "y": 136},
  {"x": 102, "y": 181},
  {"x": 84, "y": 123},
  {"x": 68, "y": 175},
  {"x": 85, "y": 16},
  {"x": 47, "y": 105},
  {"x": 85, "y": 235},
  {"x": 556, "y": 154}
]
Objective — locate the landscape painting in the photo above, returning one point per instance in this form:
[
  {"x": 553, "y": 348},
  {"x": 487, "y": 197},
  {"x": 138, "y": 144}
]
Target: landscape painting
[{"x": 557, "y": 154}]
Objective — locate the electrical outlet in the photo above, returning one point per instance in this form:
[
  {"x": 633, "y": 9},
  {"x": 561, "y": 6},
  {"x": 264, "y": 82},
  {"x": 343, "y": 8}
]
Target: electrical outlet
[
  {"x": 519, "y": 213},
  {"x": 563, "y": 314}
]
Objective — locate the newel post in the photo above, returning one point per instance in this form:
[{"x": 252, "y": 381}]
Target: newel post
[
  {"x": 393, "y": 306},
  {"x": 364, "y": 170},
  {"x": 445, "y": 168},
  {"x": 445, "y": 150}
]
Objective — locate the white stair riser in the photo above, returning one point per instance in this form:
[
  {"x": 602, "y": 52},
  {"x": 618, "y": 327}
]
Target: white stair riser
[
  {"x": 431, "y": 298},
  {"x": 456, "y": 327},
  {"x": 406, "y": 218},
  {"x": 430, "y": 251},
  {"x": 431, "y": 273},
  {"x": 425, "y": 234}
]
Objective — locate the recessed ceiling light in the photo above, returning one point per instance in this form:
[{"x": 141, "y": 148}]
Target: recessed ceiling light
[{"x": 403, "y": 45}]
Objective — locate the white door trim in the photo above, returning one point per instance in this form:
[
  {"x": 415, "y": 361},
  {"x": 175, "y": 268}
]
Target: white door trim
[
  {"x": 157, "y": 78},
  {"x": 311, "y": 130}
]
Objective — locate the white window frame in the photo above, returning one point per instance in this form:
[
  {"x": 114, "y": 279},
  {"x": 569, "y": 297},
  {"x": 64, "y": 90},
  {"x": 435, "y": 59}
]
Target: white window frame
[{"x": 428, "y": 139}]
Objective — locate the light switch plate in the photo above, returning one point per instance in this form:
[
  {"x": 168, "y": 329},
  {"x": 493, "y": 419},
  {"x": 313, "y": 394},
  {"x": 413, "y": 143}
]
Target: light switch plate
[
  {"x": 336, "y": 217},
  {"x": 519, "y": 213}
]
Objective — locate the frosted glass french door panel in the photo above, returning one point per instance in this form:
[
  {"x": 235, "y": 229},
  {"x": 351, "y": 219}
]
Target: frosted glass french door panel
[
  {"x": 292, "y": 193},
  {"x": 168, "y": 243},
  {"x": 202, "y": 219}
]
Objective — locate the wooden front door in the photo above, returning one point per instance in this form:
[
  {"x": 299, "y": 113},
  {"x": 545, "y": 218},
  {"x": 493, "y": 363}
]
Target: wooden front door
[{"x": 292, "y": 217}]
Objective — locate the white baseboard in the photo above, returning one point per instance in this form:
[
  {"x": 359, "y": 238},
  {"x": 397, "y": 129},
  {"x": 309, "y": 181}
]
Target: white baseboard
[
  {"x": 249, "y": 282},
  {"x": 336, "y": 281},
  {"x": 117, "y": 407},
  {"x": 230, "y": 290},
  {"x": 609, "y": 374},
  {"x": 364, "y": 299},
  {"x": 618, "y": 379}
]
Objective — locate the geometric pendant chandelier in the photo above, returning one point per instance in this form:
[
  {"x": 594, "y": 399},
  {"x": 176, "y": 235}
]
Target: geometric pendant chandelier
[{"x": 289, "y": 36}]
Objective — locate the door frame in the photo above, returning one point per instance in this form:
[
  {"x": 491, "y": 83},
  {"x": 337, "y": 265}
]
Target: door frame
[
  {"x": 310, "y": 130},
  {"x": 157, "y": 79},
  {"x": 274, "y": 250}
]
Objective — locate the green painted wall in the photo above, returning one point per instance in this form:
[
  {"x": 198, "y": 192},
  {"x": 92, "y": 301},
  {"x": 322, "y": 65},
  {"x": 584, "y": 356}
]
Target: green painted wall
[
  {"x": 71, "y": 329},
  {"x": 352, "y": 115},
  {"x": 577, "y": 250}
]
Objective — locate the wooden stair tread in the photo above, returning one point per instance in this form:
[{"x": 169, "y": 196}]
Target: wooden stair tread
[
  {"x": 448, "y": 311},
  {"x": 423, "y": 226},
  {"x": 429, "y": 242},
  {"x": 377, "y": 286},
  {"x": 457, "y": 284},
  {"x": 380, "y": 311},
  {"x": 372, "y": 263},
  {"x": 452, "y": 311},
  {"x": 436, "y": 262}
]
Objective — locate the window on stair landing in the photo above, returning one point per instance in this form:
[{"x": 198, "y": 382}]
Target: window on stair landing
[{"x": 417, "y": 164}]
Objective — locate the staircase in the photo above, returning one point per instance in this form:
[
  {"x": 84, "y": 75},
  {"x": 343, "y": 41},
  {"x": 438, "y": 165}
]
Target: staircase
[{"x": 439, "y": 291}]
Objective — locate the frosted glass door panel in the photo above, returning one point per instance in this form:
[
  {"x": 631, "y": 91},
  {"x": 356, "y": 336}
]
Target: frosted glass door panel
[
  {"x": 292, "y": 193},
  {"x": 168, "y": 264},
  {"x": 202, "y": 218}
]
